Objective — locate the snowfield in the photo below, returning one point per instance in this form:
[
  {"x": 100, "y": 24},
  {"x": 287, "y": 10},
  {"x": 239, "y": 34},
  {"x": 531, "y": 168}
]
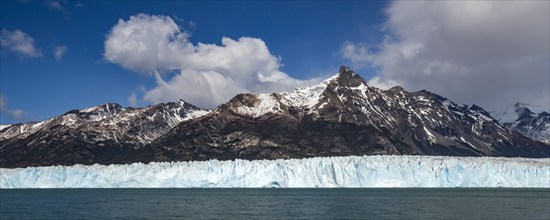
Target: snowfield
[{"x": 353, "y": 171}]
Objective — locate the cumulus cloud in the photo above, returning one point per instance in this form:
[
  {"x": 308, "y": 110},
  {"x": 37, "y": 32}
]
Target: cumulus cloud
[
  {"x": 19, "y": 42},
  {"x": 15, "y": 114},
  {"x": 206, "y": 74},
  {"x": 492, "y": 53},
  {"x": 147, "y": 43},
  {"x": 59, "y": 52}
]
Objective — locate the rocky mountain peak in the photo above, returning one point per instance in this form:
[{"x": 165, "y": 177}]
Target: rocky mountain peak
[
  {"x": 479, "y": 109},
  {"x": 97, "y": 112},
  {"x": 181, "y": 102},
  {"x": 347, "y": 77},
  {"x": 397, "y": 89},
  {"x": 524, "y": 112}
]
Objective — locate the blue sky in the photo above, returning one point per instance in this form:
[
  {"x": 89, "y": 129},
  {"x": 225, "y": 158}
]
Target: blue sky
[
  {"x": 489, "y": 53},
  {"x": 307, "y": 36}
]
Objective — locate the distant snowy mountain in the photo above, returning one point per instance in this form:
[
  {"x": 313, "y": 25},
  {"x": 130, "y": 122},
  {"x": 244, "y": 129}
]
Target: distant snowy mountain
[
  {"x": 531, "y": 121},
  {"x": 92, "y": 135},
  {"x": 339, "y": 117}
]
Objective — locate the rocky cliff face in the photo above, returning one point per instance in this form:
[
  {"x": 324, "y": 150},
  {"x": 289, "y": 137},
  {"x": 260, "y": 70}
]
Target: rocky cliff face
[
  {"x": 93, "y": 135},
  {"x": 341, "y": 116}
]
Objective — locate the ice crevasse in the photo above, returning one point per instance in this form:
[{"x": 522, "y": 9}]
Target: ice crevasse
[{"x": 351, "y": 171}]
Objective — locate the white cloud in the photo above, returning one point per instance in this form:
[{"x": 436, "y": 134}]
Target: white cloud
[
  {"x": 19, "y": 42},
  {"x": 357, "y": 53},
  {"x": 60, "y": 6},
  {"x": 59, "y": 52},
  {"x": 3, "y": 101},
  {"x": 492, "y": 53},
  {"x": 15, "y": 114},
  {"x": 207, "y": 74},
  {"x": 132, "y": 100},
  {"x": 147, "y": 43},
  {"x": 54, "y": 5}
]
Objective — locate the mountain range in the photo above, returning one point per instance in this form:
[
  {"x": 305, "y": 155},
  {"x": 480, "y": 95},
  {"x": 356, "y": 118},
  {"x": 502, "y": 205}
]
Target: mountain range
[
  {"x": 341, "y": 116},
  {"x": 98, "y": 134}
]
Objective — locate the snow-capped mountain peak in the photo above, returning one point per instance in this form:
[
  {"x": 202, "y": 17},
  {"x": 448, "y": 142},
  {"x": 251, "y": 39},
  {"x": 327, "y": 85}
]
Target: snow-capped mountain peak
[
  {"x": 309, "y": 98},
  {"x": 96, "y": 133},
  {"x": 96, "y": 113},
  {"x": 349, "y": 78},
  {"x": 529, "y": 120},
  {"x": 513, "y": 112}
]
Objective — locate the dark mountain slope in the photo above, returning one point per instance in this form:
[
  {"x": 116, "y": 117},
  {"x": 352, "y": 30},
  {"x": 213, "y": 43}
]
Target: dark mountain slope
[
  {"x": 341, "y": 116},
  {"x": 93, "y": 135}
]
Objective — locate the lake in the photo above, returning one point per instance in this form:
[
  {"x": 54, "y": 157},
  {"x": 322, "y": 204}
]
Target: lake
[{"x": 340, "y": 203}]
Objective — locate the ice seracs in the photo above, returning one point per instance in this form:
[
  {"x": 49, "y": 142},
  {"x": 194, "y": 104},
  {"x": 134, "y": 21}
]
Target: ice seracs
[{"x": 353, "y": 171}]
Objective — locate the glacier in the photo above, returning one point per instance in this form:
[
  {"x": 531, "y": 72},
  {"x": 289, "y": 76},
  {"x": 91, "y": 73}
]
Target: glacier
[{"x": 351, "y": 171}]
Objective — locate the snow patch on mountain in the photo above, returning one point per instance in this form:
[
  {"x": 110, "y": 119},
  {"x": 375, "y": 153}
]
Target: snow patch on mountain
[
  {"x": 3, "y": 126},
  {"x": 352, "y": 171},
  {"x": 195, "y": 114},
  {"x": 139, "y": 124},
  {"x": 265, "y": 103},
  {"x": 307, "y": 97}
]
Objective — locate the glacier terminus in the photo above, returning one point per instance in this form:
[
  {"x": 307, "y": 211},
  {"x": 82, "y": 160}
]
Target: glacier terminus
[{"x": 350, "y": 171}]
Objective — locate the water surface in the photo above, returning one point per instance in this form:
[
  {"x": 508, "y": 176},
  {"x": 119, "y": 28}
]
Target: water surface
[{"x": 409, "y": 203}]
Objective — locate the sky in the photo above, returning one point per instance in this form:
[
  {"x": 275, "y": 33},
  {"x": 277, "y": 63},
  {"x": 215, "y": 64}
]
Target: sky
[{"x": 62, "y": 55}]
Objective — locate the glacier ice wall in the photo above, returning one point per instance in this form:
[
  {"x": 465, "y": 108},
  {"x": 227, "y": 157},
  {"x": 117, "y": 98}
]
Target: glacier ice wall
[{"x": 353, "y": 171}]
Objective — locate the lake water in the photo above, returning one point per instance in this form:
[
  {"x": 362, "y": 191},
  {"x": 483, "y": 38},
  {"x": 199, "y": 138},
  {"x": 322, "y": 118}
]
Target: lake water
[{"x": 410, "y": 203}]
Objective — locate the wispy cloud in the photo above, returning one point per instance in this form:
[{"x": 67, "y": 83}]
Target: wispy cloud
[
  {"x": 59, "y": 52},
  {"x": 14, "y": 114},
  {"x": 58, "y": 6},
  {"x": 19, "y": 42},
  {"x": 493, "y": 53},
  {"x": 54, "y": 5},
  {"x": 207, "y": 74},
  {"x": 132, "y": 100}
]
